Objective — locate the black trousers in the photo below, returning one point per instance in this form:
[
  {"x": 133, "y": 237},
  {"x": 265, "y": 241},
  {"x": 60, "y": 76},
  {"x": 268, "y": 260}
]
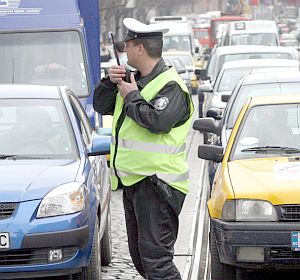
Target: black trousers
[{"x": 151, "y": 212}]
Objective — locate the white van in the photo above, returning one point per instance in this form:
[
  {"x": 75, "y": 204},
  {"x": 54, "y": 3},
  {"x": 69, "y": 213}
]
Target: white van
[
  {"x": 180, "y": 36},
  {"x": 252, "y": 32}
]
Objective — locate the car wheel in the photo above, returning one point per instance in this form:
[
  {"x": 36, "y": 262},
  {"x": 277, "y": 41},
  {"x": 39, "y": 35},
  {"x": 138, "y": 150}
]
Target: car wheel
[
  {"x": 93, "y": 270},
  {"x": 200, "y": 104},
  {"x": 205, "y": 137},
  {"x": 219, "y": 271},
  {"x": 106, "y": 244}
]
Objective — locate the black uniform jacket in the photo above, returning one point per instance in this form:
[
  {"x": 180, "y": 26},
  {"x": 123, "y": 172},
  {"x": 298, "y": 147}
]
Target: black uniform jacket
[{"x": 146, "y": 114}]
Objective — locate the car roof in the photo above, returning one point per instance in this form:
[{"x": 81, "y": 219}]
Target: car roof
[
  {"x": 271, "y": 77},
  {"x": 29, "y": 91},
  {"x": 250, "y": 49},
  {"x": 274, "y": 99},
  {"x": 260, "y": 62}
]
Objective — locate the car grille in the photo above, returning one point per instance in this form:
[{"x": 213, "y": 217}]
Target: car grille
[
  {"x": 283, "y": 253},
  {"x": 7, "y": 209},
  {"x": 31, "y": 256},
  {"x": 289, "y": 212}
]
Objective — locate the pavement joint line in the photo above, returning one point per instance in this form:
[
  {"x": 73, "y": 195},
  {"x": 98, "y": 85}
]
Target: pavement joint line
[
  {"x": 200, "y": 230},
  {"x": 193, "y": 237}
]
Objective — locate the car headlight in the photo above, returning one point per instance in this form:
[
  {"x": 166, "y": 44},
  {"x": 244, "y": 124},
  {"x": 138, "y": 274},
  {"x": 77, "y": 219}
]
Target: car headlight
[
  {"x": 249, "y": 210},
  {"x": 65, "y": 199}
]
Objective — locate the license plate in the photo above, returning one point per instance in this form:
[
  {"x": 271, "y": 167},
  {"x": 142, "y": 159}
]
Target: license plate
[
  {"x": 4, "y": 240},
  {"x": 295, "y": 236}
]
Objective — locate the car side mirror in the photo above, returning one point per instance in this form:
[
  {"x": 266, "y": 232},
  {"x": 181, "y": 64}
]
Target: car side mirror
[
  {"x": 210, "y": 152},
  {"x": 215, "y": 113},
  {"x": 100, "y": 145},
  {"x": 205, "y": 87},
  {"x": 181, "y": 70},
  {"x": 104, "y": 131},
  {"x": 208, "y": 125},
  {"x": 225, "y": 97}
]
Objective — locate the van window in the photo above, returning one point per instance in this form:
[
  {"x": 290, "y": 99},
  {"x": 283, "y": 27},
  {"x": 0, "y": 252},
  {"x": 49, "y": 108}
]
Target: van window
[
  {"x": 267, "y": 39},
  {"x": 177, "y": 42}
]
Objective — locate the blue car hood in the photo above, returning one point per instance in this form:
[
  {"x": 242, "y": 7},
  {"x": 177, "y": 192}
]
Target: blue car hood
[{"x": 23, "y": 180}]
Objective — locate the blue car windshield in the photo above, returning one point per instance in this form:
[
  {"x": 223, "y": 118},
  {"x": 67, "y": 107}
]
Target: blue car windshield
[
  {"x": 39, "y": 128},
  {"x": 46, "y": 58}
]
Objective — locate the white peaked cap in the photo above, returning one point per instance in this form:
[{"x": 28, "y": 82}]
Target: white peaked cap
[{"x": 137, "y": 29}]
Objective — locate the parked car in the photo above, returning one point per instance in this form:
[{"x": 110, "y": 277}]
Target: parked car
[
  {"x": 188, "y": 61},
  {"x": 254, "y": 204},
  {"x": 55, "y": 190}
]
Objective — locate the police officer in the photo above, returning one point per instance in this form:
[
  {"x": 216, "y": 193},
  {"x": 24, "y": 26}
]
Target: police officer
[{"x": 152, "y": 113}]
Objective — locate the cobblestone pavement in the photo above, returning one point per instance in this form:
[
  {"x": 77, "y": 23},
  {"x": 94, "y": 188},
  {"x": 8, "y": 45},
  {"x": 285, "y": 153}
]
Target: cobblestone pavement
[{"x": 121, "y": 266}]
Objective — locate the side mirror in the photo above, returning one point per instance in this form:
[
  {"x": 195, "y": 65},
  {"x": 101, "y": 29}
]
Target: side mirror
[
  {"x": 205, "y": 87},
  {"x": 100, "y": 145},
  {"x": 210, "y": 152},
  {"x": 181, "y": 70},
  {"x": 225, "y": 97},
  {"x": 208, "y": 125},
  {"x": 215, "y": 113},
  {"x": 104, "y": 131},
  {"x": 202, "y": 74}
]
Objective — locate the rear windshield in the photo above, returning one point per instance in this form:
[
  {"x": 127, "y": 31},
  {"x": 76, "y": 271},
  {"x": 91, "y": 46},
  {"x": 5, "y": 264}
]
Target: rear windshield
[
  {"x": 240, "y": 56},
  {"x": 258, "y": 90}
]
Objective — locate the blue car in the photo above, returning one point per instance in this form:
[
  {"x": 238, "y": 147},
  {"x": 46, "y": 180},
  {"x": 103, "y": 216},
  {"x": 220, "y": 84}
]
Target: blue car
[{"x": 54, "y": 187}]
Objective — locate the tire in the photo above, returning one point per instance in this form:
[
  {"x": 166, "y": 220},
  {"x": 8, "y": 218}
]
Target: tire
[
  {"x": 200, "y": 104},
  {"x": 219, "y": 271},
  {"x": 205, "y": 137},
  {"x": 106, "y": 243},
  {"x": 93, "y": 270}
]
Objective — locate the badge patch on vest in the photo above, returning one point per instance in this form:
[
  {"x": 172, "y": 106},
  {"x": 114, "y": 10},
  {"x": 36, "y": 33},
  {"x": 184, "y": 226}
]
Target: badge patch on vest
[{"x": 161, "y": 103}]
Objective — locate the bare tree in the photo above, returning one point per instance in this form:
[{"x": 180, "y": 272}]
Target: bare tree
[{"x": 112, "y": 13}]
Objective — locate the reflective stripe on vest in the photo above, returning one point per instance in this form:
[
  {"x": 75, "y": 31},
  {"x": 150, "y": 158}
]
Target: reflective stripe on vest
[
  {"x": 172, "y": 178},
  {"x": 149, "y": 147},
  {"x": 141, "y": 153}
]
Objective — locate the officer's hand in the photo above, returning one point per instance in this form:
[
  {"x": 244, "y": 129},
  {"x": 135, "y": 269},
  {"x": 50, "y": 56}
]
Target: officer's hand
[
  {"x": 125, "y": 88},
  {"x": 116, "y": 73}
]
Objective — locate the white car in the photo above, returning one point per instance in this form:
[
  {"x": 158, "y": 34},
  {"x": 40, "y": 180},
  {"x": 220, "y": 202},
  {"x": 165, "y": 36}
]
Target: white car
[
  {"x": 223, "y": 54},
  {"x": 232, "y": 71}
]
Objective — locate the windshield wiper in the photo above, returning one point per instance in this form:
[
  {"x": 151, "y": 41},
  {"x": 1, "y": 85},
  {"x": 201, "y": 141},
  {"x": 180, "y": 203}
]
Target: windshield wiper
[
  {"x": 271, "y": 149},
  {"x": 14, "y": 157}
]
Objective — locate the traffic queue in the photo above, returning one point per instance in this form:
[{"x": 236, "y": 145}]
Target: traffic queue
[{"x": 249, "y": 99}]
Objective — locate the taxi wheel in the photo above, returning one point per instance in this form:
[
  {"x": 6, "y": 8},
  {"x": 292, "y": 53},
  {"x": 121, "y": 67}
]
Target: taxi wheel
[{"x": 219, "y": 271}]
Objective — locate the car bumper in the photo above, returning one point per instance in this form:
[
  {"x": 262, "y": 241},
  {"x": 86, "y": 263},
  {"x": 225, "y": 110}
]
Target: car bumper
[
  {"x": 31, "y": 242},
  {"x": 256, "y": 245}
]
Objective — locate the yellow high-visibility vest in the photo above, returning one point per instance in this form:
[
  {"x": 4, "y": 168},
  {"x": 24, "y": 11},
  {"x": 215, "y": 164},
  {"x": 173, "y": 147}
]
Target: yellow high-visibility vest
[{"x": 141, "y": 153}]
